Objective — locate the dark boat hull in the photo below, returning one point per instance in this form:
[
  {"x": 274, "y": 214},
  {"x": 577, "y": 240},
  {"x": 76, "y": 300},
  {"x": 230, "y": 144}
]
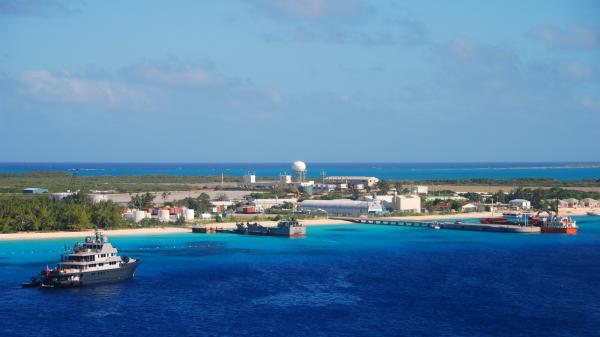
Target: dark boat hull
[{"x": 125, "y": 272}]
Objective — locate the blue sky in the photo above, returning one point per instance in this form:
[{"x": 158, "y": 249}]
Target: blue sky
[{"x": 320, "y": 80}]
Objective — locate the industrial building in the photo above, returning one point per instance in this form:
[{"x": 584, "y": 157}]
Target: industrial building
[
  {"x": 265, "y": 204},
  {"x": 352, "y": 181},
  {"x": 403, "y": 203},
  {"x": 342, "y": 206}
]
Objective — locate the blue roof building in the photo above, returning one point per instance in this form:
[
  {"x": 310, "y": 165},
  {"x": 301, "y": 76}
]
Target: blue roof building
[{"x": 36, "y": 190}]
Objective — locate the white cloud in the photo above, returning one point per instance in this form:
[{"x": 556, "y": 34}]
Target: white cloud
[
  {"x": 590, "y": 104},
  {"x": 43, "y": 85},
  {"x": 575, "y": 37}
]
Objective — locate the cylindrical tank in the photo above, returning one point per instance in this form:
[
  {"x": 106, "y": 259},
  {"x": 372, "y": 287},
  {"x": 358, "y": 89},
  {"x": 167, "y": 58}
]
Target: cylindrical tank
[
  {"x": 188, "y": 215},
  {"x": 139, "y": 215},
  {"x": 163, "y": 215}
]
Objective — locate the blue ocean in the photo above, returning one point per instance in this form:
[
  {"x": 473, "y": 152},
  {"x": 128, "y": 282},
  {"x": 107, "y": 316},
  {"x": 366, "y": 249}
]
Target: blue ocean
[
  {"x": 404, "y": 171},
  {"x": 345, "y": 280}
]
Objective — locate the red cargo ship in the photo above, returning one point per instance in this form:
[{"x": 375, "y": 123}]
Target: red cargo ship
[
  {"x": 550, "y": 224},
  {"x": 559, "y": 224}
]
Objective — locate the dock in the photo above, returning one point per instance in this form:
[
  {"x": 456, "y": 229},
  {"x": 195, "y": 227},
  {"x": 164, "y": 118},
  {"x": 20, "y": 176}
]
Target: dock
[{"x": 452, "y": 225}]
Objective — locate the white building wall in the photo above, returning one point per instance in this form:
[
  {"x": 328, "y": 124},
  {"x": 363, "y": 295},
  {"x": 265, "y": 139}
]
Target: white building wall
[
  {"x": 407, "y": 203},
  {"x": 342, "y": 206},
  {"x": 268, "y": 203},
  {"x": 249, "y": 179}
]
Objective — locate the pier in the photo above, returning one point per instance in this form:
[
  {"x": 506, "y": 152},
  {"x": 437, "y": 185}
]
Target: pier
[{"x": 453, "y": 225}]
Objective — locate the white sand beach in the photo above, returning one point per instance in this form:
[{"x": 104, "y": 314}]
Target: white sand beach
[{"x": 145, "y": 231}]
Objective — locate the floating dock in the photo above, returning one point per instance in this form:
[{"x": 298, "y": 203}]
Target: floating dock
[{"x": 455, "y": 225}]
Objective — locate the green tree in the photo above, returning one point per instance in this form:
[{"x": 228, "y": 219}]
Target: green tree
[
  {"x": 107, "y": 214},
  {"x": 142, "y": 201},
  {"x": 384, "y": 186}
]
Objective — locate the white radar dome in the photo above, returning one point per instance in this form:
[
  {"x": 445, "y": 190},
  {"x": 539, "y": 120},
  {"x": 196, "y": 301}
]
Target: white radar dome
[{"x": 299, "y": 166}]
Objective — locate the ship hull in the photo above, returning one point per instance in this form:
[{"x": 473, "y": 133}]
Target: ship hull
[
  {"x": 292, "y": 232},
  {"x": 559, "y": 230},
  {"x": 125, "y": 272}
]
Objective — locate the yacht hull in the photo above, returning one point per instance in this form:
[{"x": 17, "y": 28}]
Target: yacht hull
[{"x": 125, "y": 272}]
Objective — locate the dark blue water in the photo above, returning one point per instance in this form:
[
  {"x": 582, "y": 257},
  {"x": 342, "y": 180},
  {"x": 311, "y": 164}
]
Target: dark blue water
[
  {"x": 352, "y": 280},
  {"x": 408, "y": 171}
]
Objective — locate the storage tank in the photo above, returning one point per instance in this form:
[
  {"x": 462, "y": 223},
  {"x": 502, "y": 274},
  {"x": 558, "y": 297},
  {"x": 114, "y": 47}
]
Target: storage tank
[
  {"x": 188, "y": 215},
  {"x": 139, "y": 215},
  {"x": 163, "y": 215}
]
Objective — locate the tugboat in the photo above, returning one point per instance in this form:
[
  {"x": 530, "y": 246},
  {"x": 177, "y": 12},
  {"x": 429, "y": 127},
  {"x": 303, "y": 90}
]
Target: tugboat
[
  {"x": 558, "y": 224},
  {"x": 91, "y": 262}
]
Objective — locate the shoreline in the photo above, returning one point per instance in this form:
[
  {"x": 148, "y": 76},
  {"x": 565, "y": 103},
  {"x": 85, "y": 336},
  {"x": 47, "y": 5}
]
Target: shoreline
[
  {"x": 23, "y": 236},
  {"x": 143, "y": 231}
]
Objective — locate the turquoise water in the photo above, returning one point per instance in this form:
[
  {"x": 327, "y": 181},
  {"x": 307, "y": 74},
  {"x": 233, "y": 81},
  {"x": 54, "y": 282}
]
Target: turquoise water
[
  {"x": 346, "y": 280},
  {"x": 406, "y": 171}
]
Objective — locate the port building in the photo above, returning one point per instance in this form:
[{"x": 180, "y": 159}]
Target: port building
[{"x": 342, "y": 206}]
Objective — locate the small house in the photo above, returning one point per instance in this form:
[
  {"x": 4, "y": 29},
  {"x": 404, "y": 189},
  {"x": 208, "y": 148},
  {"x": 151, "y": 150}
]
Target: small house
[
  {"x": 519, "y": 204},
  {"x": 589, "y": 202},
  {"x": 469, "y": 208}
]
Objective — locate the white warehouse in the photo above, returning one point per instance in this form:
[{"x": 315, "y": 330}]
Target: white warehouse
[
  {"x": 519, "y": 204},
  {"x": 342, "y": 206},
  {"x": 268, "y": 203}
]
